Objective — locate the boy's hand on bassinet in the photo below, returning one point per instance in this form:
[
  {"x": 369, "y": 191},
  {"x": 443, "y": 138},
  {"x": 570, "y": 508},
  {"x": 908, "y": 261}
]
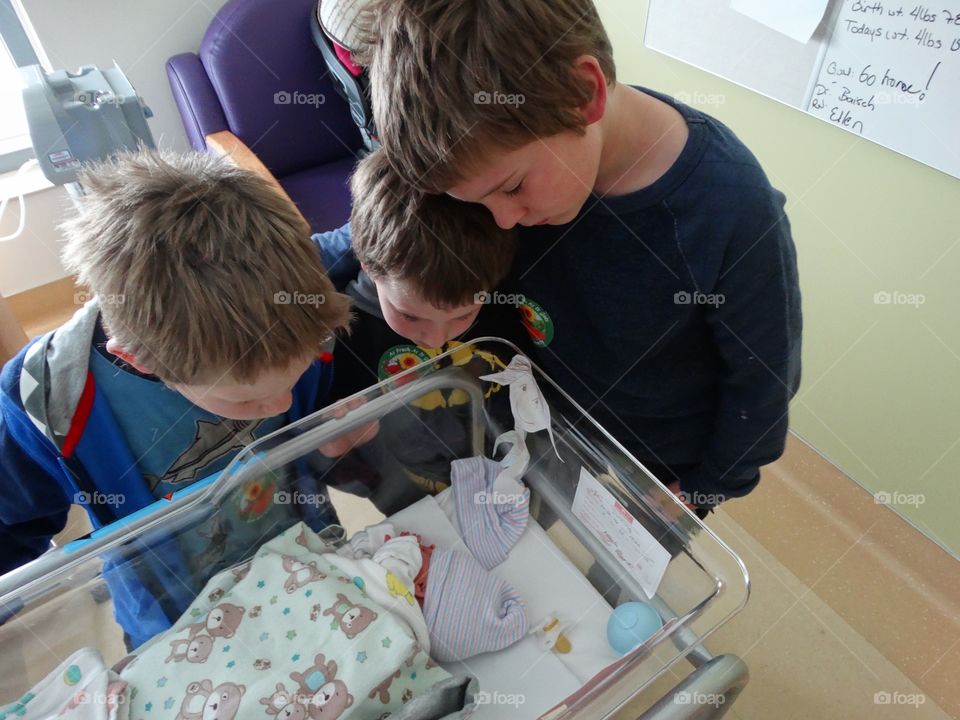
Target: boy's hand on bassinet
[
  {"x": 674, "y": 487},
  {"x": 348, "y": 441},
  {"x": 343, "y": 444}
]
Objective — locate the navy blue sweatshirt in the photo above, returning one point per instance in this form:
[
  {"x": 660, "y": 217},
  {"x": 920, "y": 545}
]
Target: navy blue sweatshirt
[{"x": 672, "y": 314}]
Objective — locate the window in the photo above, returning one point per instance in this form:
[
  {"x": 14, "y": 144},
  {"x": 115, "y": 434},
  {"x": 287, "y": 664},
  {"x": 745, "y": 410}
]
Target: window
[{"x": 16, "y": 50}]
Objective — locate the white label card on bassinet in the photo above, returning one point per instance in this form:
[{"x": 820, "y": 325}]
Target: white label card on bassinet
[{"x": 637, "y": 551}]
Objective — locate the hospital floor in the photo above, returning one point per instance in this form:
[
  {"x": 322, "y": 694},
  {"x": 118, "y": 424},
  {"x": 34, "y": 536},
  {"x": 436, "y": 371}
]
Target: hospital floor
[{"x": 849, "y": 605}]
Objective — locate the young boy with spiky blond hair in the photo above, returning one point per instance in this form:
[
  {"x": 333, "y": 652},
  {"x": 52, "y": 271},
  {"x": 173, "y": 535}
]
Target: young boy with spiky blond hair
[
  {"x": 655, "y": 254},
  {"x": 211, "y": 324}
]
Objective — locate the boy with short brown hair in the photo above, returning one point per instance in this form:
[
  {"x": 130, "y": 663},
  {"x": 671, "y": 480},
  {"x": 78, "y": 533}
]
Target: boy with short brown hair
[
  {"x": 430, "y": 256},
  {"x": 452, "y": 80},
  {"x": 430, "y": 271},
  {"x": 447, "y": 251},
  {"x": 654, "y": 253}
]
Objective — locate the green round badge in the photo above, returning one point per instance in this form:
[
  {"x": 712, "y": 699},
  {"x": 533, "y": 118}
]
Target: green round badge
[
  {"x": 399, "y": 358},
  {"x": 537, "y": 321}
]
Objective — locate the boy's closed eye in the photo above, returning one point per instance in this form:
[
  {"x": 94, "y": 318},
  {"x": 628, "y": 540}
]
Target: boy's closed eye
[
  {"x": 516, "y": 190},
  {"x": 414, "y": 318}
]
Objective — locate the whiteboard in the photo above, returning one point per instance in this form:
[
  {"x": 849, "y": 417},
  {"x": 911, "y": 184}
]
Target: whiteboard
[{"x": 886, "y": 71}]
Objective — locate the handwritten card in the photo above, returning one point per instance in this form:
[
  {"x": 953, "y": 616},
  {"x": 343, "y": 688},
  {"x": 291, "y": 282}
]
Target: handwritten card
[
  {"x": 637, "y": 551},
  {"x": 891, "y": 75}
]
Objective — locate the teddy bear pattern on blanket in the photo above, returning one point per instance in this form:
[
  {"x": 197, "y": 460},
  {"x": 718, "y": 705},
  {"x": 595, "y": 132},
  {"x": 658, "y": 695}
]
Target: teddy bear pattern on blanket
[{"x": 285, "y": 635}]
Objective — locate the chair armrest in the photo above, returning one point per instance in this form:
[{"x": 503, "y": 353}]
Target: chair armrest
[
  {"x": 199, "y": 106},
  {"x": 226, "y": 144}
]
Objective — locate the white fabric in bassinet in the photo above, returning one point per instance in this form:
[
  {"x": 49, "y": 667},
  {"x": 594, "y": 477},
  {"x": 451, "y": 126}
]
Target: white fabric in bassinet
[{"x": 524, "y": 680}]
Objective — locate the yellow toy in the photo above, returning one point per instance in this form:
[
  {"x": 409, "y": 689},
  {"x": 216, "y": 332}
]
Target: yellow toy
[
  {"x": 551, "y": 634},
  {"x": 398, "y": 589}
]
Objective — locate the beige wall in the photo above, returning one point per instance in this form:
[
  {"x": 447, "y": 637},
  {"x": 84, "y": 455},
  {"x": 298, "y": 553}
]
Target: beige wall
[{"x": 881, "y": 390}]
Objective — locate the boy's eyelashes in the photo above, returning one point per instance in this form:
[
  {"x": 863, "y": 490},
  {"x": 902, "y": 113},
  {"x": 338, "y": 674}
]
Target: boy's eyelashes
[
  {"x": 413, "y": 318},
  {"x": 516, "y": 190}
]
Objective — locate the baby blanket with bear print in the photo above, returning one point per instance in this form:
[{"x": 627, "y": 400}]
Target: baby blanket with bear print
[{"x": 287, "y": 635}]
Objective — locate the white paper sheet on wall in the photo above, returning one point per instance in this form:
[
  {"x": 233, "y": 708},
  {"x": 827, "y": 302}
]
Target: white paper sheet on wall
[
  {"x": 887, "y": 71},
  {"x": 796, "y": 19},
  {"x": 891, "y": 74}
]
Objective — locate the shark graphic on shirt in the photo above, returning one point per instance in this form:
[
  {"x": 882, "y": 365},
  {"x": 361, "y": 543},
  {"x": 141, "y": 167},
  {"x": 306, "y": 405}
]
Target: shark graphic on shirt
[{"x": 212, "y": 441}]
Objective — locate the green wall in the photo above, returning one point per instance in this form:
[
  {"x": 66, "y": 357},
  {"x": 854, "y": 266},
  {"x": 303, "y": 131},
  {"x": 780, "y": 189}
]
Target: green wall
[{"x": 881, "y": 389}]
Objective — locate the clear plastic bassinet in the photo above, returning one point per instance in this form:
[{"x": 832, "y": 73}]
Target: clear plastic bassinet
[{"x": 434, "y": 412}]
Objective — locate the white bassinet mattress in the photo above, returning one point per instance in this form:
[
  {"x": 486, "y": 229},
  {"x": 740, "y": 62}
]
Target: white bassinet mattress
[{"x": 525, "y": 680}]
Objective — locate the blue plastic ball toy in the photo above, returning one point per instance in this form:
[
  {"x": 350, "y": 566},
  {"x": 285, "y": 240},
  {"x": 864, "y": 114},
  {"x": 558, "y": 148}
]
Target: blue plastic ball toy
[{"x": 631, "y": 624}]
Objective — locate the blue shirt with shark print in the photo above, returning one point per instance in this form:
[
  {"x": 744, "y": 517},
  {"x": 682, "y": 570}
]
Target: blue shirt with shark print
[{"x": 175, "y": 442}]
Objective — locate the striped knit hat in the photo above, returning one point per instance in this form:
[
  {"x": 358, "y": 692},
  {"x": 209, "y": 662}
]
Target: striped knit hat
[
  {"x": 468, "y": 610},
  {"x": 491, "y": 521}
]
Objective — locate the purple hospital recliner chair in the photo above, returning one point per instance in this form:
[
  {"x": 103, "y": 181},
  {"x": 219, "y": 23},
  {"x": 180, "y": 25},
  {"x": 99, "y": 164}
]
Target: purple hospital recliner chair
[{"x": 260, "y": 77}]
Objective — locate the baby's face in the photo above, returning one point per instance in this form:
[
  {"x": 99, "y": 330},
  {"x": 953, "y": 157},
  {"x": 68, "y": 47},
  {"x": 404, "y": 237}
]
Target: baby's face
[{"x": 408, "y": 314}]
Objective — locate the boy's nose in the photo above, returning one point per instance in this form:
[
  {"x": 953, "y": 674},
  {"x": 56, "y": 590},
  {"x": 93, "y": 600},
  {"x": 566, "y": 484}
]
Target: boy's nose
[
  {"x": 506, "y": 215},
  {"x": 434, "y": 337},
  {"x": 276, "y": 405}
]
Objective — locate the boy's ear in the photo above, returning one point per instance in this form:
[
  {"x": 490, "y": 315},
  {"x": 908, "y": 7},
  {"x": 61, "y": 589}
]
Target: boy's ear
[
  {"x": 589, "y": 69},
  {"x": 115, "y": 348}
]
